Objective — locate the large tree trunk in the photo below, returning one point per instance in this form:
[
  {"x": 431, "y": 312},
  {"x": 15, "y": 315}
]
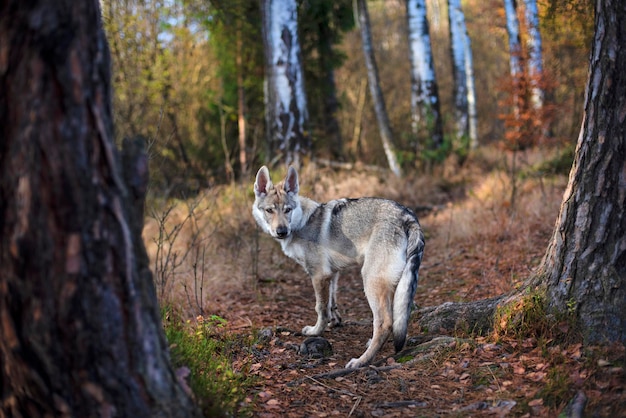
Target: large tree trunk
[
  {"x": 285, "y": 98},
  {"x": 81, "y": 334},
  {"x": 585, "y": 266},
  {"x": 377, "y": 94},
  {"x": 583, "y": 272},
  {"x": 426, "y": 117}
]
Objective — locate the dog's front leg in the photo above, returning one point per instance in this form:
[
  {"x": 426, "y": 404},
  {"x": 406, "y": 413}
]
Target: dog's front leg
[
  {"x": 321, "y": 285},
  {"x": 333, "y": 311}
]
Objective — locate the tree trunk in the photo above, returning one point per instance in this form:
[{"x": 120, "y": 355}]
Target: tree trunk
[
  {"x": 81, "y": 333},
  {"x": 585, "y": 266},
  {"x": 463, "y": 72},
  {"x": 426, "y": 116},
  {"x": 241, "y": 103},
  {"x": 285, "y": 98},
  {"x": 583, "y": 271},
  {"x": 535, "y": 65},
  {"x": 512, "y": 28},
  {"x": 330, "y": 104},
  {"x": 377, "y": 95}
]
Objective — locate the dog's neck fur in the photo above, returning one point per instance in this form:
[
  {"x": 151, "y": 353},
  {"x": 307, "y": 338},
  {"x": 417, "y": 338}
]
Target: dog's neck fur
[{"x": 308, "y": 207}]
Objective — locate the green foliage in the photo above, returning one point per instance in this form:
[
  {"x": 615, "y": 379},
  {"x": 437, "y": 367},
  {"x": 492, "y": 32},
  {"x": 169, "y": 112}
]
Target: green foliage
[
  {"x": 321, "y": 25},
  {"x": 208, "y": 354},
  {"x": 432, "y": 154}
]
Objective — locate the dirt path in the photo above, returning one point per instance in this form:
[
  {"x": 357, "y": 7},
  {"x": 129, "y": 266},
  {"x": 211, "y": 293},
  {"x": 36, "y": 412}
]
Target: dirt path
[{"x": 453, "y": 376}]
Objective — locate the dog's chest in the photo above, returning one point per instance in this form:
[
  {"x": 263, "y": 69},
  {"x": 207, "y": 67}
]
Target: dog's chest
[{"x": 294, "y": 251}]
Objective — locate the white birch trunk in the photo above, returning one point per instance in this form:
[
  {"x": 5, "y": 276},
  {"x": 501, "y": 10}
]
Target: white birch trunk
[
  {"x": 285, "y": 98},
  {"x": 464, "y": 94},
  {"x": 512, "y": 28},
  {"x": 535, "y": 65},
  {"x": 471, "y": 91},
  {"x": 426, "y": 115}
]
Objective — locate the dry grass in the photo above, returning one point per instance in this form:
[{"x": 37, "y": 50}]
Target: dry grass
[{"x": 215, "y": 248}]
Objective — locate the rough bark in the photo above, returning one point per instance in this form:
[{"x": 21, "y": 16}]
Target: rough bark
[
  {"x": 384, "y": 126},
  {"x": 285, "y": 97},
  {"x": 426, "y": 115},
  {"x": 583, "y": 272},
  {"x": 80, "y": 331},
  {"x": 469, "y": 316},
  {"x": 585, "y": 266}
]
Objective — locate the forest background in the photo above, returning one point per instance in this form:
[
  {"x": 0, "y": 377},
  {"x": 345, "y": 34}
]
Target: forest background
[{"x": 178, "y": 68}]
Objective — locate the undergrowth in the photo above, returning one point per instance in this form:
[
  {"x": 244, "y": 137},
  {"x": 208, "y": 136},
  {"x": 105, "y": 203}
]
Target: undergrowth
[{"x": 208, "y": 354}]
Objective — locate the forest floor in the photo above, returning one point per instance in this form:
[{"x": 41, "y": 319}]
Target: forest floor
[{"x": 479, "y": 244}]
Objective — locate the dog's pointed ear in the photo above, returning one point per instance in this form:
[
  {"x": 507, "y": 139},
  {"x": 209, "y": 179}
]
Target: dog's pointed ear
[
  {"x": 263, "y": 182},
  {"x": 291, "y": 181}
]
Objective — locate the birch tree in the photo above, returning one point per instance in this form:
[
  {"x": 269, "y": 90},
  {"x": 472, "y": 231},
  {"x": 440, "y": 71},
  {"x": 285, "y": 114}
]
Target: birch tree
[
  {"x": 463, "y": 74},
  {"x": 380, "y": 109},
  {"x": 81, "y": 334},
  {"x": 515, "y": 48},
  {"x": 583, "y": 273},
  {"x": 535, "y": 61},
  {"x": 426, "y": 114},
  {"x": 285, "y": 97}
]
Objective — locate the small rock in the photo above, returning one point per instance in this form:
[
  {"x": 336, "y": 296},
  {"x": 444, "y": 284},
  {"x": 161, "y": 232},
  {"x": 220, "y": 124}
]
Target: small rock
[
  {"x": 265, "y": 335},
  {"x": 316, "y": 347}
]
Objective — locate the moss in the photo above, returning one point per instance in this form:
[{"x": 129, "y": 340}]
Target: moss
[{"x": 523, "y": 317}]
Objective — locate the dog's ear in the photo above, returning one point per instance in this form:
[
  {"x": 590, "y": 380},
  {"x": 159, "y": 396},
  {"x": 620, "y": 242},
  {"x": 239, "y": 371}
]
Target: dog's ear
[
  {"x": 263, "y": 182},
  {"x": 291, "y": 181}
]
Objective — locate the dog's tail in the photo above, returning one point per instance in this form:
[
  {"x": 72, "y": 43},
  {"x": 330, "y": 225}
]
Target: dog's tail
[{"x": 405, "y": 291}]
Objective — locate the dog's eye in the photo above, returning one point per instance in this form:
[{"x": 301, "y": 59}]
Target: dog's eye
[
  {"x": 269, "y": 210},
  {"x": 287, "y": 210}
]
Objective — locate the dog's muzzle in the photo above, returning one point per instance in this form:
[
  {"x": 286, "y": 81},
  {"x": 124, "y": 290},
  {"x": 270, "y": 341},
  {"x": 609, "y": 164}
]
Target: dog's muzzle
[{"x": 282, "y": 232}]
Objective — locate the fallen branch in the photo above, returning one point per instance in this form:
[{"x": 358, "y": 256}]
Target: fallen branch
[{"x": 342, "y": 372}]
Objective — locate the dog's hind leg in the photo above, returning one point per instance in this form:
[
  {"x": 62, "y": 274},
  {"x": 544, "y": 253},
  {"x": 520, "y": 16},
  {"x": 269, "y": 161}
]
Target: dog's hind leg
[
  {"x": 333, "y": 311},
  {"x": 380, "y": 297},
  {"x": 322, "y": 287}
]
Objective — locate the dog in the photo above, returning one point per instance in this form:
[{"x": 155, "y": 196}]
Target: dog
[{"x": 382, "y": 236}]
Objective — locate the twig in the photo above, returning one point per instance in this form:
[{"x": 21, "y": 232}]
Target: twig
[
  {"x": 330, "y": 375},
  {"x": 342, "y": 372},
  {"x": 345, "y": 392},
  {"x": 356, "y": 404}
]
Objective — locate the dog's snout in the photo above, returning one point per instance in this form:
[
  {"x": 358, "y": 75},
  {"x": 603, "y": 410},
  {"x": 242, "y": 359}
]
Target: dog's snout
[{"x": 282, "y": 232}]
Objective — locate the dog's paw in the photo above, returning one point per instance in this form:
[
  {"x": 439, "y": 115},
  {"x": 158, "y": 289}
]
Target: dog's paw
[
  {"x": 355, "y": 363},
  {"x": 310, "y": 331}
]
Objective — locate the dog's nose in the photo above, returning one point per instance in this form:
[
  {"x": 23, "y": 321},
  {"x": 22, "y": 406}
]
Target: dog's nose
[{"x": 282, "y": 232}]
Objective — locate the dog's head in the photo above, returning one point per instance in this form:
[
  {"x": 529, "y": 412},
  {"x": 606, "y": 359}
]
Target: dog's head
[{"x": 277, "y": 208}]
